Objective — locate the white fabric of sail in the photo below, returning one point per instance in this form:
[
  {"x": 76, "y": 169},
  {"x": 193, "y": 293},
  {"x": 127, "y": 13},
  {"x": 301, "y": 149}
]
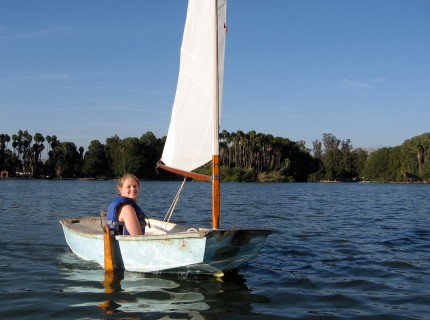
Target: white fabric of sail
[{"x": 193, "y": 131}]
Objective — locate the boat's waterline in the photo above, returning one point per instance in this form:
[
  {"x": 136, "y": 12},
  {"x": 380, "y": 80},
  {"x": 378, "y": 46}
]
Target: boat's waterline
[{"x": 169, "y": 248}]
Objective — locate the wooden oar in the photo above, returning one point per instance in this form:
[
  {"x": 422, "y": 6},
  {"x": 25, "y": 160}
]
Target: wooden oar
[{"x": 108, "y": 257}]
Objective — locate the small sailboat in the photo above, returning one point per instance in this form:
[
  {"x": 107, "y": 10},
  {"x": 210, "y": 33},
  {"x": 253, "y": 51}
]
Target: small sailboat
[{"x": 192, "y": 141}]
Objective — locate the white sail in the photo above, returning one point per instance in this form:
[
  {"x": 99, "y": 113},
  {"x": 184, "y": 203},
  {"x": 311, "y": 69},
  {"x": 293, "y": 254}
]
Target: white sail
[{"x": 192, "y": 138}]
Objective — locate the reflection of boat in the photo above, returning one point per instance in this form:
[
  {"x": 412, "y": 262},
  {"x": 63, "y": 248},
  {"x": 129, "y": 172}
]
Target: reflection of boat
[
  {"x": 125, "y": 293},
  {"x": 192, "y": 141},
  {"x": 136, "y": 293}
]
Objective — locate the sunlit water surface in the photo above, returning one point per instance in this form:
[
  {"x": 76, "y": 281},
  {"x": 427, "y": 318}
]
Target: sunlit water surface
[{"x": 339, "y": 251}]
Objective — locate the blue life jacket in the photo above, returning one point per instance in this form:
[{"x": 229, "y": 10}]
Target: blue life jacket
[{"x": 112, "y": 215}]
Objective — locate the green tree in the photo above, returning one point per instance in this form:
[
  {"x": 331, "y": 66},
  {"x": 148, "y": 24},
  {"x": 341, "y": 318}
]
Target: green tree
[
  {"x": 415, "y": 153},
  {"x": 332, "y": 157},
  {"x": 22, "y": 148},
  {"x": 263, "y": 157},
  {"x": 64, "y": 159},
  {"x": 408, "y": 158},
  {"x": 125, "y": 155},
  {"x": 6, "y": 156},
  {"x": 359, "y": 159},
  {"x": 384, "y": 165},
  {"x": 151, "y": 148},
  {"x": 49, "y": 168},
  {"x": 36, "y": 153},
  {"x": 95, "y": 161},
  {"x": 317, "y": 149},
  {"x": 114, "y": 156},
  {"x": 132, "y": 156}
]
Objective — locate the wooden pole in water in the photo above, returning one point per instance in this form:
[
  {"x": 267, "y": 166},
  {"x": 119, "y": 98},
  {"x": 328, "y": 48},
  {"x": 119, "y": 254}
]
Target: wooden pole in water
[{"x": 108, "y": 257}]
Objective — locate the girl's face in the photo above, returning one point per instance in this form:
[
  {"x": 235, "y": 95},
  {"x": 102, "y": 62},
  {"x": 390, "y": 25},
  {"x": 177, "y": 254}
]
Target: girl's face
[{"x": 129, "y": 189}]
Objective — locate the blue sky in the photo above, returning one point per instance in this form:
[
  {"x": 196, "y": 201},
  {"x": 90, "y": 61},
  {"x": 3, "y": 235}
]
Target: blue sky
[{"x": 86, "y": 70}]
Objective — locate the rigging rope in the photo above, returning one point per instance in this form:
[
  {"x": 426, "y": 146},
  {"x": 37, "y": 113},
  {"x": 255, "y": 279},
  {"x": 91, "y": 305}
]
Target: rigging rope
[{"x": 173, "y": 205}]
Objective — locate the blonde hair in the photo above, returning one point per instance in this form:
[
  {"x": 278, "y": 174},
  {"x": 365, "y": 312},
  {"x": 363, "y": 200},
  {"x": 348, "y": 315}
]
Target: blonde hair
[{"x": 123, "y": 178}]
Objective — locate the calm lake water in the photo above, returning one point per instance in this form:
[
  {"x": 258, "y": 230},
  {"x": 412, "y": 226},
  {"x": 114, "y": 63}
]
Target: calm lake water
[{"x": 341, "y": 251}]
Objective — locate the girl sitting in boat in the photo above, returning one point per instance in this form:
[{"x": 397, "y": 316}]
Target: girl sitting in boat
[{"x": 124, "y": 216}]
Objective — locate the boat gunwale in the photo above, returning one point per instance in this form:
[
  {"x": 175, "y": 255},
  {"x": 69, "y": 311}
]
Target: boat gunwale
[{"x": 189, "y": 233}]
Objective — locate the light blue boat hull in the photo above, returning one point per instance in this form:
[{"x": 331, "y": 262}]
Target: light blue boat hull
[{"x": 166, "y": 247}]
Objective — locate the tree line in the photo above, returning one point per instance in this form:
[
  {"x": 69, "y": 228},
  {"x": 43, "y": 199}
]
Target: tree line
[{"x": 244, "y": 156}]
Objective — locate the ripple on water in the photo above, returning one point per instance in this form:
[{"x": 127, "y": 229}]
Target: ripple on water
[{"x": 340, "y": 251}]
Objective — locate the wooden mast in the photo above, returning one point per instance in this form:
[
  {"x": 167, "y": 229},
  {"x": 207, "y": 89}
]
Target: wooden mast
[{"x": 215, "y": 157}]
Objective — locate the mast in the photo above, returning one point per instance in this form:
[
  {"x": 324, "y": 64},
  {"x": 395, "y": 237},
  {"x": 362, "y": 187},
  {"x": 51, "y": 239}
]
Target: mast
[
  {"x": 198, "y": 97},
  {"x": 215, "y": 158}
]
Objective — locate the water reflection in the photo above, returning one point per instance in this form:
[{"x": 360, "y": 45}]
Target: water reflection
[{"x": 130, "y": 294}]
